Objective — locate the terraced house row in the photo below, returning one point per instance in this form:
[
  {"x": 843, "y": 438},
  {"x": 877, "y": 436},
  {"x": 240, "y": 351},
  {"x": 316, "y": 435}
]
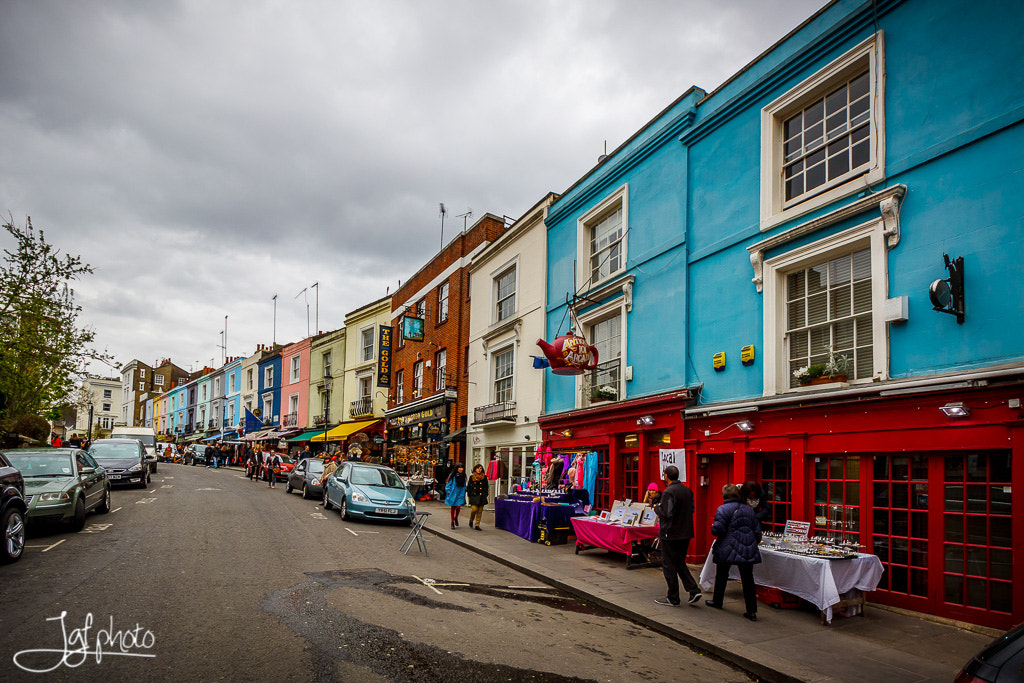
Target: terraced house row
[{"x": 808, "y": 276}]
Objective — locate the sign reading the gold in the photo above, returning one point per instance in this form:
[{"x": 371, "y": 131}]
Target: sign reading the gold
[
  {"x": 417, "y": 417},
  {"x": 384, "y": 357}
]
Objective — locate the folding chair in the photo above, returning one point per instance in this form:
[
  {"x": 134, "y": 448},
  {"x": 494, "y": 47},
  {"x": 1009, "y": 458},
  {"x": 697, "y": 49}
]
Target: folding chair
[{"x": 415, "y": 534}]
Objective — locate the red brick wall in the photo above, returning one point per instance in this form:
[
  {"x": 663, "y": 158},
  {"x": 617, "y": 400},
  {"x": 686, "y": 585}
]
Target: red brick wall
[{"x": 452, "y": 334}]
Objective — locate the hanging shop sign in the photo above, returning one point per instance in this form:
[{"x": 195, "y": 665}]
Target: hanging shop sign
[
  {"x": 412, "y": 329},
  {"x": 427, "y": 415},
  {"x": 384, "y": 357},
  {"x": 569, "y": 354},
  {"x": 673, "y": 456}
]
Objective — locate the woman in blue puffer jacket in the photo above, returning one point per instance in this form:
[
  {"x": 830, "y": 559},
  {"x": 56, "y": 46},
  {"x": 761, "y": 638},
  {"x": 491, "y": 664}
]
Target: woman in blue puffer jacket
[{"x": 738, "y": 533}]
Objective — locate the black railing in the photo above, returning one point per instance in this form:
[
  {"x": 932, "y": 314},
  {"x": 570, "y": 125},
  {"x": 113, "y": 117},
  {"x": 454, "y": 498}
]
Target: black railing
[
  {"x": 291, "y": 419},
  {"x": 505, "y": 411},
  {"x": 319, "y": 420}
]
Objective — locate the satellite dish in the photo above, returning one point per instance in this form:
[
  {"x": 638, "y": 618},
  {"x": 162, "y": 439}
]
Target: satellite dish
[{"x": 940, "y": 294}]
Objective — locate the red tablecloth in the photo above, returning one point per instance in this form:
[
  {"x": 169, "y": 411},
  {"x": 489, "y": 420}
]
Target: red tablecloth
[{"x": 614, "y": 537}]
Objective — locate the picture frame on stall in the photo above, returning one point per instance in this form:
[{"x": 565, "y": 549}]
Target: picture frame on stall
[
  {"x": 648, "y": 517},
  {"x": 631, "y": 518},
  {"x": 618, "y": 512}
]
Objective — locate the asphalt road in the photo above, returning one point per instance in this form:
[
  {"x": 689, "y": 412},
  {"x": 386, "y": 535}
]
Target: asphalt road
[{"x": 208, "y": 576}]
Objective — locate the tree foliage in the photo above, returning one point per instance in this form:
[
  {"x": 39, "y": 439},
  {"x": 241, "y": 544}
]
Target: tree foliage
[{"x": 43, "y": 349}]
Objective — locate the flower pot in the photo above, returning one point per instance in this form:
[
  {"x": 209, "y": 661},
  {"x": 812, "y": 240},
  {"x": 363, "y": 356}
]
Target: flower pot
[{"x": 827, "y": 380}]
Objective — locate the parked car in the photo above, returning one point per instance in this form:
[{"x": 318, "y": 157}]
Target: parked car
[
  {"x": 306, "y": 478},
  {"x": 144, "y": 434},
  {"x": 1001, "y": 661},
  {"x": 12, "y": 511},
  {"x": 370, "y": 492},
  {"x": 195, "y": 454},
  {"x": 61, "y": 484},
  {"x": 123, "y": 459},
  {"x": 287, "y": 466}
]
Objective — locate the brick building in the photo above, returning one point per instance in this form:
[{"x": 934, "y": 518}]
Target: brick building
[{"x": 427, "y": 406}]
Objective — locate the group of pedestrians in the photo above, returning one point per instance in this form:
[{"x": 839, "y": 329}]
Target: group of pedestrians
[
  {"x": 263, "y": 463},
  {"x": 737, "y": 532},
  {"x": 458, "y": 487}
]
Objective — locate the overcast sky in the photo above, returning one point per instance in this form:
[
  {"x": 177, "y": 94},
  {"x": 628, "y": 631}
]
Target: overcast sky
[{"x": 205, "y": 155}]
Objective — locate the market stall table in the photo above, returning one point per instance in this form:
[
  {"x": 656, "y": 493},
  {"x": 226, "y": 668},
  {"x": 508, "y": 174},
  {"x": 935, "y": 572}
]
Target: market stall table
[
  {"x": 819, "y": 581},
  {"x": 523, "y": 517},
  {"x": 619, "y": 538}
]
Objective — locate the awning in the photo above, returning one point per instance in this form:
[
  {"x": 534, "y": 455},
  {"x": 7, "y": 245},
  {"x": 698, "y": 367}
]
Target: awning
[
  {"x": 455, "y": 436},
  {"x": 257, "y": 436},
  {"x": 219, "y": 436},
  {"x": 192, "y": 438},
  {"x": 307, "y": 436},
  {"x": 344, "y": 430}
]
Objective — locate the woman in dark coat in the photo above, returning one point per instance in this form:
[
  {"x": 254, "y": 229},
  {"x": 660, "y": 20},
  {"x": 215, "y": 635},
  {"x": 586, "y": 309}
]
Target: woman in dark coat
[
  {"x": 754, "y": 496},
  {"x": 737, "y": 532},
  {"x": 476, "y": 490}
]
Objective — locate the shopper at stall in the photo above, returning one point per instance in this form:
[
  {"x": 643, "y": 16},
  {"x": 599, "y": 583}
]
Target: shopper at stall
[
  {"x": 737, "y": 534},
  {"x": 675, "y": 513},
  {"x": 455, "y": 492},
  {"x": 753, "y": 495},
  {"x": 476, "y": 489}
]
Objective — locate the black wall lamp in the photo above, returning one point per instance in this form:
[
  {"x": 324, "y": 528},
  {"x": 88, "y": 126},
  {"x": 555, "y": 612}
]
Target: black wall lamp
[{"x": 947, "y": 295}]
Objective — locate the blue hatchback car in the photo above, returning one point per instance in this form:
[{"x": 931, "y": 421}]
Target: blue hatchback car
[{"x": 369, "y": 491}]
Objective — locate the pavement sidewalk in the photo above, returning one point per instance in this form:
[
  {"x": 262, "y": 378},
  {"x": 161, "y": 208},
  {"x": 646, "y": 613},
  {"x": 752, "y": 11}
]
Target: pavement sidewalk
[{"x": 783, "y": 645}]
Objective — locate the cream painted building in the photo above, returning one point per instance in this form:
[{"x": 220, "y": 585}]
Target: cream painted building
[
  {"x": 506, "y": 393},
  {"x": 326, "y": 359},
  {"x": 103, "y": 395},
  {"x": 365, "y": 400}
]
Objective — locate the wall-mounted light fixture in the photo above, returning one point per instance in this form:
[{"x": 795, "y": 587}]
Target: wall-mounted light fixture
[
  {"x": 947, "y": 295},
  {"x": 647, "y": 420},
  {"x": 567, "y": 433},
  {"x": 745, "y": 425},
  {"x": 957, "y": 409}
]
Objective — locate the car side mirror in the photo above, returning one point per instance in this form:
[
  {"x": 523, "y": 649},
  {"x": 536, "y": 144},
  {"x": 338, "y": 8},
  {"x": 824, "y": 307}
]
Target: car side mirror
[{"x": 87, "y": 470}]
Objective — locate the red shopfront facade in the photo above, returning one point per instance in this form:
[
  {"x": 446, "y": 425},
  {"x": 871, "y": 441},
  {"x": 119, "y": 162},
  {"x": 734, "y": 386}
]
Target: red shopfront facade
[
  {"x": 929, "y": 493},
  {"x": 627, "y": 437}
]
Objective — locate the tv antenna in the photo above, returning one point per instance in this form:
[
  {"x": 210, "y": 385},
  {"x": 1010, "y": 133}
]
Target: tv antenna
[
  {"x": 317, "y": 318},
  {"x": 444, "y": 212},
  {"x": 304, "y": 290},
  {"x": 465, "y": 217}
]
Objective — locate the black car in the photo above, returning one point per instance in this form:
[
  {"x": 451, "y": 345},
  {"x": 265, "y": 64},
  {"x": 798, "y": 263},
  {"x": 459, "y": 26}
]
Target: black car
[
  {"x": 195, "y": 454},
  {"x": 12, "y": 511},
  {"x": 1002, "y": 661},
  {"x": 123, "y": 459},
  {"x": 306, "y": 478}
]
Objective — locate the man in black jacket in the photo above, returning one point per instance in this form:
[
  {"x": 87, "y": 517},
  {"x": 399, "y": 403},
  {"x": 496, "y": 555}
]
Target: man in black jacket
[{"x": 675, "y": 511}]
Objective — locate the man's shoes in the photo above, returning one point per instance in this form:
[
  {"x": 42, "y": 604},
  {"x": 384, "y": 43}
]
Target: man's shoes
[
  {"x": 751, "y": 615},
  {"x": 712, "y": 603},
  {"x": 695, "y": 598},
  {"x": 666, "y": 602}
]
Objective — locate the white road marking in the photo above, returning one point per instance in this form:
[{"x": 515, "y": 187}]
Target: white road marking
[
  {"x": 94, "y": 528},
  {"x": 144, "y": 500},
  {"x": 114, "y": 510},
  {"x": 167, "y": 486},
  {"x": 361, "y": 532},
  {"x": 317, "y": 515},
  {"x": 207, "y": 489},
  {"x": 55, "y": 544},
  {"x": 427, "y": 585}
]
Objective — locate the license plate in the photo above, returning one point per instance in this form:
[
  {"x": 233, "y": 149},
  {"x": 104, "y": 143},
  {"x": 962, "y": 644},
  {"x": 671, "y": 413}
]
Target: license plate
[
  {"x": 113, "y": 476},
  {"x": 386, "y": 511}
]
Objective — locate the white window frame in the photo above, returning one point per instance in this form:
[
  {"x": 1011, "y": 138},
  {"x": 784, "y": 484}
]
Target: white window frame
[
  {"x": 364, "y": 386},
  {"x": 440, "y": 369},
  {"x": 774, "y": 208},
  {"x": 443, "y": 291},
  {"x": 248, "y": 376},
  {"x": 617, "y": 307},
  {"x": 493, "y": 371},
  {"x": 158, "y": 380},
  {"x": 268, "y": 376},
  {"x": 870, "y": 234},
  {"x": 584, "y": 227},
  {"x": 326, "y": 363},
  {"x": 106, "y": 407},
  {"x": 366, "y": 350},
  {"x": 293, "y": 404},
  {"x": 231, "y": 414},
  {"x": 231, "y": 383},
  {"x": 295, "y": 364},
  {"x": 268, "y": 407},
  {"x": 496, "y": 297},
  {"x": 417, "y": 379},
  {"x": 216, "y": 386},
  {"x": 399, "y": 386}
]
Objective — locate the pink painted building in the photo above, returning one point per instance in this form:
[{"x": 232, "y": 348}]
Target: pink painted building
[{"x": 295, "y": 384}]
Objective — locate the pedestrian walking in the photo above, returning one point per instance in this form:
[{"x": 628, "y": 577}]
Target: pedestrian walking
[
  {"x": 455, "y": 492},
  {"x": 675, "y": 513},
  {"x": 273, "y": 469},
  {"x": 737, "y": 534},
  {"x": 476, "y": 490},
  {"x": 208, "y": 455},
  {"x": 74, "y": 441}
]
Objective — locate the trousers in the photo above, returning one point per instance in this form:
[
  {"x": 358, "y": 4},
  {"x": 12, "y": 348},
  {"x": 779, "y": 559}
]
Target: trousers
[
  {"x": 673, "y": 566},
  {"x": 746, "y": 579}
]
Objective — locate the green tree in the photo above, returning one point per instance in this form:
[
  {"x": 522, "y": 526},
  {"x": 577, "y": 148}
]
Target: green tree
[{"x": 43, "y": 349}]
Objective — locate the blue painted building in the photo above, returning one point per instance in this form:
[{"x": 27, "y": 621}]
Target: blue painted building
[
  {"x": 755, "y": 266},
  {"x": 232, "y": 416},
  {"x": 269, "y": 402}
]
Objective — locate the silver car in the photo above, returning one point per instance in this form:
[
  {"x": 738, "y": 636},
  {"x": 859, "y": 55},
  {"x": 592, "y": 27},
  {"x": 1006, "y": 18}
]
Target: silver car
[{"x": 306, "y": 478}]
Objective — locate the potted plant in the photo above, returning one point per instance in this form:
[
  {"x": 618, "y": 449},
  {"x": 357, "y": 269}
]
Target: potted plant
[
  {"x": 835, "y": 369},
  {"x": 604, "y": 393}
]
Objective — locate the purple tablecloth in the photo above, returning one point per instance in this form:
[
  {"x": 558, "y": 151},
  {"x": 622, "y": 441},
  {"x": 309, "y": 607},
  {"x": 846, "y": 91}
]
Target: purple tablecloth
[{"x": 522, "y": 517}]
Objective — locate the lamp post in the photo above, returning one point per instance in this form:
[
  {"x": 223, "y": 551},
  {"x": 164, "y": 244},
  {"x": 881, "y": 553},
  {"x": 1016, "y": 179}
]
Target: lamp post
[{"x": 327, "y": 404}]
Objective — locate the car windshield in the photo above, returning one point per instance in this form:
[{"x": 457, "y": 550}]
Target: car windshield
[
  {"x": 285, "y": 459},
  {"x": 315, "y": 465},
  {"x": 59, "y": 464},
  {"x": 114, "y": 451},
  {"x": 372, "y": 476},
  {"x": 147, "y": 439}
]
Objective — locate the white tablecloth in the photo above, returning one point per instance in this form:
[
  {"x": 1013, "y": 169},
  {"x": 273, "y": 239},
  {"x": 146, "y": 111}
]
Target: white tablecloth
[{"x": 815, "y": 579}]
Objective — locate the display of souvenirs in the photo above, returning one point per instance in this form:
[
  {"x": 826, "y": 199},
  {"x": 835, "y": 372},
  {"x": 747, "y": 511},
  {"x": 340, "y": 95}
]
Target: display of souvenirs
[{"x": 815, "y": 547}]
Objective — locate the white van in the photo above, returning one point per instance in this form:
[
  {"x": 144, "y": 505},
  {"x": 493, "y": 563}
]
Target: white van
[{"x": 144, "y": 434}]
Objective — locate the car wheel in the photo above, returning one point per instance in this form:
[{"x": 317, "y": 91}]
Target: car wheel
[
  {"x": 149, "y": 478},
  {"x": 288, "y": 487},
  {"x": 13, "y": 525},
  {"x": 154, "y": 467},
  {"x": 104, "y": 506},
  {"x": 343, "y": 510},
  {"x": 78, "y": 521},
  {"x": 327, "y": 501},
  {"x": 305, "y": 492}
]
